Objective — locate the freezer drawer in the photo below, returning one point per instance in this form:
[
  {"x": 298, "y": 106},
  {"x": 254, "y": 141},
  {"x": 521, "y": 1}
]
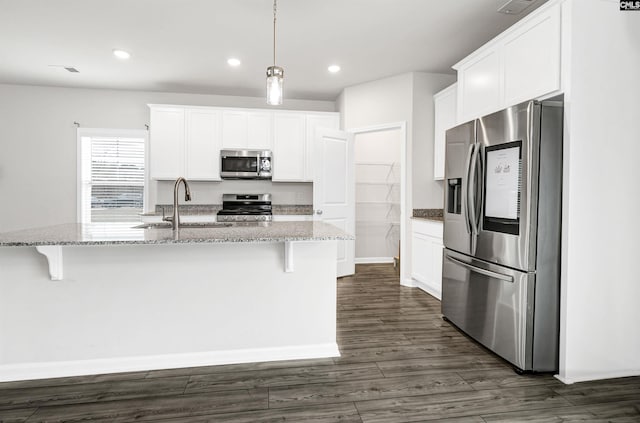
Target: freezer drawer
[{"x": 492, "y": 304}]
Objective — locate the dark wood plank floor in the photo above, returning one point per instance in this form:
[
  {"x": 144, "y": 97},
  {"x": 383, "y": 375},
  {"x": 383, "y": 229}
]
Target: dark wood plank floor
[{"x": 400, "y": 363}]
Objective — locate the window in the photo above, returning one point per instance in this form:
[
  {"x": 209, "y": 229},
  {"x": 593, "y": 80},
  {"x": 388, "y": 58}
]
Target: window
[{"x": 112, "y": 175}]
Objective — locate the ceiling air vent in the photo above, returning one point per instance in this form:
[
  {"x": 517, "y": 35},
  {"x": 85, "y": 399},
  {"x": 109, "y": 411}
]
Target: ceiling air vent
[
  {"x": 514, "y": 7},
  {"x": 67, "y": 68}
]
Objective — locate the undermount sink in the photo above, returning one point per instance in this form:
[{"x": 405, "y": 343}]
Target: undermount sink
[{"x": 190, "y": 225}]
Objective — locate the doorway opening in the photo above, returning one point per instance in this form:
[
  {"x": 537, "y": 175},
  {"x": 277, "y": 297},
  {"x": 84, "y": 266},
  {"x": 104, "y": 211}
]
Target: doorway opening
[{"x": 379, "y": 153}]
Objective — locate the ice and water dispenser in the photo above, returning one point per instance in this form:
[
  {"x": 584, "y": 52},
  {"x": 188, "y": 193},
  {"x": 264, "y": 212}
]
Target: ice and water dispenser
[{"x": 454, "y": 195}]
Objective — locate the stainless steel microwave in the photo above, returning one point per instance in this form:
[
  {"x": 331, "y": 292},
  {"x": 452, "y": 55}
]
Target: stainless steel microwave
[{"x": 245, "y": 164}]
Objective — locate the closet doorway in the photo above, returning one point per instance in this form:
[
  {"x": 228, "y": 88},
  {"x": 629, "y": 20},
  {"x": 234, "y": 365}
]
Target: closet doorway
[{"x": 379, "y": 156}]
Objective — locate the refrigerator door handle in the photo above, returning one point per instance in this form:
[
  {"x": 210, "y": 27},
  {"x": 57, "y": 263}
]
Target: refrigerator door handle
[
  {"x": 468, "y": 188},
  {"x": 471, "y": 190},
  {"x": 480, "y": 189},
  {"x": 485, "y": 272}
]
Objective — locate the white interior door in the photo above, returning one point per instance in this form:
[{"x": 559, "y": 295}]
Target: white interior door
[{"x": 334, "y": 189}]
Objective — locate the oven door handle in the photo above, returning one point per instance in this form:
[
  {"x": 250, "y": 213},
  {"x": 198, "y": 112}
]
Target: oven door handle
[{"x": 485, "y": 272}]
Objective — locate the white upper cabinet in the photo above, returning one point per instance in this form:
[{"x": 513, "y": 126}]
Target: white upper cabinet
[
  {"x": 166, "y": 142},
  {"x": 532, "y": 58},
  {"x": 444, "y": 118},
  {"x": 480, "y": 86},
  {"x": 289, "y": 139},
  {"x": 234, "y": 129},
  {"x": 314, "y": 122},
  {"x": 260, "y": 130},
  {"x": 520, "y": 64},
  {"x": 203, "y": 143},
  {"x": 243, "y": 129},
  {"x": 184, "y": 142}
]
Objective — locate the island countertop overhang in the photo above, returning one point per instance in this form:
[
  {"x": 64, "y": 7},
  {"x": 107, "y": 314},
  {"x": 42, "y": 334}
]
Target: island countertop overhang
[{"x": 76, "y": 234}]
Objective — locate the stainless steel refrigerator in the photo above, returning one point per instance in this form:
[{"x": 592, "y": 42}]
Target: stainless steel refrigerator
[{"x": 502, "y": 225}]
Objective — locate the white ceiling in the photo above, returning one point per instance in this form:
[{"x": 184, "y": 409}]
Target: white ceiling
[{"x": 183, "y": 45}]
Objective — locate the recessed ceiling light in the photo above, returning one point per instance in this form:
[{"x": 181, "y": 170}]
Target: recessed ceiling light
[
  {"x": 234, "y": 62},
  {"x": 334, "y": 68},
  {"x": 121, "y": 54}
]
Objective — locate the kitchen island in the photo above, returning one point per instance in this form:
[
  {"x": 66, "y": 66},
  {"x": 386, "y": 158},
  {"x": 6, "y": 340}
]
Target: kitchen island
[{"x": 104, "y": 298}]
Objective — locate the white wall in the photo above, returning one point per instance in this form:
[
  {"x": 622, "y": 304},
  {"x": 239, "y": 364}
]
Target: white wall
[
  {"x": 403, "y": 98},
  {"x": 407, "y": 97},
  {"x": 38, "y": 144},
  {"x": 600, "y": 337},
  {"x": 211, "y": 192},
  {"x": 427, "y": 193}
]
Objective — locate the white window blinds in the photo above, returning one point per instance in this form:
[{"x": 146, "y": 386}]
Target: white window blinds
[{"x": 112, "y": 179}]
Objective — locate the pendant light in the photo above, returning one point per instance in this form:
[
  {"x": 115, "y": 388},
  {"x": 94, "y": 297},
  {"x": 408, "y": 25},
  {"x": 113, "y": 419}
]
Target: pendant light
[{"x": 275, "y": 74}]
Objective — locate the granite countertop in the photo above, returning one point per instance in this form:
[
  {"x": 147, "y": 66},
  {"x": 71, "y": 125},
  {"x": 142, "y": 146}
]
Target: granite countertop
[
  {"x": 428, "y": 214},
  {"x": 119, "y": 234}
]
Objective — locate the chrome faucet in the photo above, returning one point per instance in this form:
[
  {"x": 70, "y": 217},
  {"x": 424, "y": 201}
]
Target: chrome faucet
[{"x": 175, "y": 218}]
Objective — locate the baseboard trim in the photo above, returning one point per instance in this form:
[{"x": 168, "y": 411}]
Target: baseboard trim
[
  {"x": 27, "y": 371},
  {"x": 373, "y": 260},
  {"x": 428, "y": 288},
  {"x": 408, "y": 282},
  {"x": 597, "y": 376}
]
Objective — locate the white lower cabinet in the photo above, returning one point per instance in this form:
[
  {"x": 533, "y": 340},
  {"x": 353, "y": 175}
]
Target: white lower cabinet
[{"x": 426, "y": 255}]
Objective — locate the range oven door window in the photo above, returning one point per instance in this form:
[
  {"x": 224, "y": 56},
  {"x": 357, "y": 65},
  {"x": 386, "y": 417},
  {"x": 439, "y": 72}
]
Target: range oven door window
[{"x": 503, "y": 186}]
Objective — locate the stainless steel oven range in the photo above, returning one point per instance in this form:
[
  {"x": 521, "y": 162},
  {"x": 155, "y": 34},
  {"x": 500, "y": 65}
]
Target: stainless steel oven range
[{"x": 245, "y": 208}]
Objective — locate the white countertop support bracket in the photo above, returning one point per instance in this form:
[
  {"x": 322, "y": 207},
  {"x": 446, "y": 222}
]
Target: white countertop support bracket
[
  {"x": 53, "y": 253},
  {"x": 288, "y": 256}
]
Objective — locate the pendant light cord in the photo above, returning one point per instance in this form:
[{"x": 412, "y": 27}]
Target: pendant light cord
[{"x": 274, "y": 32}]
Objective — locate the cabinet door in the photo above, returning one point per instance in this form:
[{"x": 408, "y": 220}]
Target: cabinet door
[
  {"x": 202, "y": 145},
  {"x": 420, "y": 257},
  {"x": 166, "y": 143},
  {"x": 288, "y": 147},
  {"x": 313, "y": 123},
  {"x": 234, "y": 129},
  {"x": 480, "y": 86},
  {"x": 259, "y": 130},
  {"x": 532, "y": 58},
  {"x": 444, "y": 118},
  {"x": 436, "y": 269}
]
